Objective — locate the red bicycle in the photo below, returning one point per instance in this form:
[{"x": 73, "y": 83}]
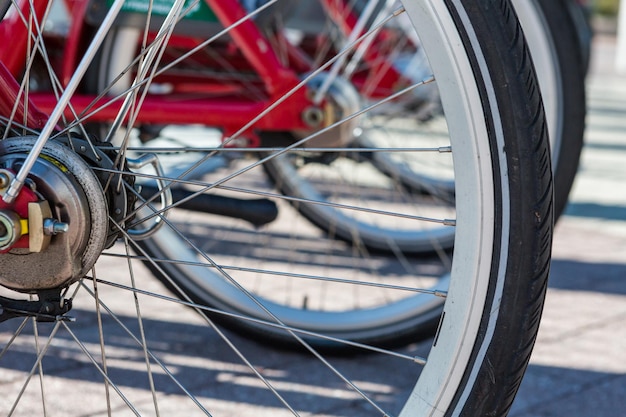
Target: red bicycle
[{"x": 107, "y": 142}]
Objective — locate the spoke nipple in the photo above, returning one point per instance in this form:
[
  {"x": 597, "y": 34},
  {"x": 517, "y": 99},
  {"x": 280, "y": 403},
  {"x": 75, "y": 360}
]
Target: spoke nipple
[
  {"x": 429, "y": 79},
  {"x": 399, "y": 11},
  {"x": 449, "y": 222},
  {"x": 419, "y": 361},
  {"x": 54, "y": 227}
]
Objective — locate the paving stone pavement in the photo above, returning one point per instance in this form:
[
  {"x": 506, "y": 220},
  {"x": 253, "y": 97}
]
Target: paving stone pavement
[{"x": 578, "y": 368}]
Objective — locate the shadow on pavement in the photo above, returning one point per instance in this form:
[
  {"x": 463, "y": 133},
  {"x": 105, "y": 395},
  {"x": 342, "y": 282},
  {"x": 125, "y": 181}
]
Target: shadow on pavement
[
  {"x": 204, "y": 364},
  {"x": 586, "y": 276}
]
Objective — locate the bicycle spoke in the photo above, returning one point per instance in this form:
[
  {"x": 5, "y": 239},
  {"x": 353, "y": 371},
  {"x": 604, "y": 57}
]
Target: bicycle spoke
[
  {"x": 300, "y": 143},
  {"x": 40, "y": 368},
  {"x": 35, "y": 367},
  {"x": 142, "y": 344},
  {"x": 293, "y": 333},
  {"x": 95, "y": 364},
  {"x": 103, "y": 355},
  {"x": 437, "y": 293},
  {"x": 46, "y": 131},
  {"x": 143, "y": 83},
  {"x": 142, "y": 333},
  {"x": 14, "y": 336},
  {"x": 237, "y": 351},
  {"x": 38, "y": 41},
  {"x": 416, "y": 359}
]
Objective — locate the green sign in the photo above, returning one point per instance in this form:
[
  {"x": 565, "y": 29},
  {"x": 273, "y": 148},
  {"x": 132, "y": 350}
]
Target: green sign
[{"x": 199, "y": 11}]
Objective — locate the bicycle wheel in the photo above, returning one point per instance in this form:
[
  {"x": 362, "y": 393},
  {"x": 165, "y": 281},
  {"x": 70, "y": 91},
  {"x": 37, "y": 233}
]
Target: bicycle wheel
[
  {"x": 497, "y": 276},
  {"x": 560, "y": 65}
]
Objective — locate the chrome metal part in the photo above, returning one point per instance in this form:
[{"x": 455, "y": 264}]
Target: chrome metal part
[
  {"x": 75, "y": 198},
  {"x": 164, "y": 191},
  {"x": 53, "y": 227}
]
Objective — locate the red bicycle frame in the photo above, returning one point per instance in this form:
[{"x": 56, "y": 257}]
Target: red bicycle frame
[{"x": 229, "y": 112}]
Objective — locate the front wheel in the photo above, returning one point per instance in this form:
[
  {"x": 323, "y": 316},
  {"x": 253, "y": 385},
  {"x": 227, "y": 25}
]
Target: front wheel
[
  {"x": 288, "y": 283},
  {"x": 502, "y": 234}
]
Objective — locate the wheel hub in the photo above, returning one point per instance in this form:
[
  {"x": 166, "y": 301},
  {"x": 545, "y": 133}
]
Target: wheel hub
[
  {"x": 56, "y": 229},
  {"x": 342, "y": 101}
]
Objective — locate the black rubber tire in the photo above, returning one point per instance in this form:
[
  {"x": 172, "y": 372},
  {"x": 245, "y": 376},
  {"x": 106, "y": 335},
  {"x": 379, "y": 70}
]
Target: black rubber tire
[
  {"x": 500, "y": 358},
  {"x": 572, "y": 69}
]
